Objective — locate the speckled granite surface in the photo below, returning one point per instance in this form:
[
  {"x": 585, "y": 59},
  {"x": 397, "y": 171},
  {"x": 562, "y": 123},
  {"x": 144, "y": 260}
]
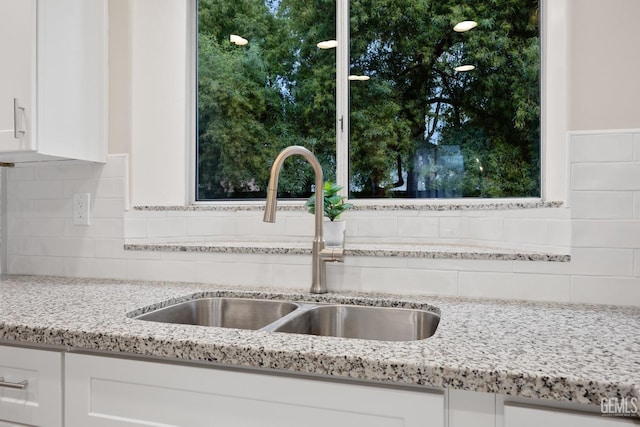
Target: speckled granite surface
[
  {"x": 371, "y": 205},
  {"x": 355, "y": 249},
  {"x": 550, "y": 351}
]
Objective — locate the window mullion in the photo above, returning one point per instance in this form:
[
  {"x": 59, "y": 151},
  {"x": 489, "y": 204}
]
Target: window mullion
[{"x": 342, "y": 95}]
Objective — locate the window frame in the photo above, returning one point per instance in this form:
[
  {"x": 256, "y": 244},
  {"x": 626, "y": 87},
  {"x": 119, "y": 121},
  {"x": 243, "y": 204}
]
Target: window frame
[{"x": 554, "y": 170}]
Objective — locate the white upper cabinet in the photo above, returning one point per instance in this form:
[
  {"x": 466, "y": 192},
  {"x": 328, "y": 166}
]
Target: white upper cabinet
[
  {"x": 53, "y": 80},
  {"x": 17, "y": 56}
]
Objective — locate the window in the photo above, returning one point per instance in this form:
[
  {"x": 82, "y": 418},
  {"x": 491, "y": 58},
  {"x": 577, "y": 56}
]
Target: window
[{"x": 431, "y": 112}]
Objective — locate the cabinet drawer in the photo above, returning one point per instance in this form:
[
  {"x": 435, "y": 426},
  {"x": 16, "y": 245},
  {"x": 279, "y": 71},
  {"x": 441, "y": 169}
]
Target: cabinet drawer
[
  {"x": 103, "y": 392},
  {"x": 39, "y": 403},
  {"x": 525, "y": 416}
]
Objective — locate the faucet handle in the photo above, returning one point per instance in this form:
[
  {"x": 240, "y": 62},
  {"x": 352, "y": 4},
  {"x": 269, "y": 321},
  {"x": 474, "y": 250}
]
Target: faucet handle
[{"x": 332, "y": 254}]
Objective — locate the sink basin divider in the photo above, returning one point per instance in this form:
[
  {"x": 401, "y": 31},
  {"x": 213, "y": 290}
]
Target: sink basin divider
[{"x": 302, "y": 308}]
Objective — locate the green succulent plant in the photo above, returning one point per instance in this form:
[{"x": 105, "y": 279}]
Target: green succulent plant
[{"x": 334, "y": 204}]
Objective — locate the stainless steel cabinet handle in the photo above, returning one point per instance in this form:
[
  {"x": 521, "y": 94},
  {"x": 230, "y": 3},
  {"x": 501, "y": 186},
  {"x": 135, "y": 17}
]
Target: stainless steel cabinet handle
[
  {"x": 17, "y": 109},
  {"x": 20, "y": 386}
]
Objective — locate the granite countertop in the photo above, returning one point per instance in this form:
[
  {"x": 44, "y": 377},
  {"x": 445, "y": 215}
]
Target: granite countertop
[
  {"x": 562, "y": 352},
  {"x": 363, "y": 249}
]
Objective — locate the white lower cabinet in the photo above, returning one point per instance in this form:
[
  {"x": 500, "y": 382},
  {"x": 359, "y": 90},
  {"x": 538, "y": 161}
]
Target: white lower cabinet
[
  {"x": 530, "y": 416},
  {"x": 102, "y": 391},
  {"x": 31, "y": 387}
]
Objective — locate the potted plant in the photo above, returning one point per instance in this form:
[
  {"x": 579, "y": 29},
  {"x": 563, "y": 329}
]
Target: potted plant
[{"x": 334, "y": 206}]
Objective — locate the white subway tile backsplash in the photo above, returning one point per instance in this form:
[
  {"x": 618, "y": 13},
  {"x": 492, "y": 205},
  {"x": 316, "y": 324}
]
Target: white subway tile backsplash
[
  {"x": 558, "y": 234},
  {"x": 303, "y": 225},
  {"x": 20, "y": 209},
  {"x": 450, "y": 227},
  {"x": 380, "y": 262},
  {"x": 585, "y": 262},
  {"x": 211, "y": 226},
  {"x": 351, "y": 229},
  {"x": 636, "y": 204},
  {"x": 615, "y": 147},
  {"x": 339, "y": 278},
  {"x": 51, "y": 208},
  {"x": 234, "y": 273},
  {"x": 135, "y": 228},
  {"x": 561, "y": 268},
  {"x": 106, "y": 188},
  {"x": 409, "y": 281},
  {"x": 100, "y": 227},
  {"x": 605, "y": 176},
  {"x": 36, "y": 265},
  {"x": 602, "y": 262},
  {"x": 23, "y": 245},
  {"x": 166, "y": 227},
  {"x": 67, "y": 247},
  {"x": 606, "y": 233},
  {"x": 601, "y": 230},
  {"x": 602, "y": 204},
  {"x": 487, "y": 229},
  {"x": 292, "y": 276},
  {"x": 106, "y": 208},
  {"x": 377, "y": 227},
  {"x": 21, "y": 173},
  {"x": 35, "y": 190},
  {"x": 460, "y": 264},
  {"x": 562, "y": 213},
  {"x": 524, "y": 231},
  {"x": 606, "y": 290},
  {"x": 418, "y": 226},
  {"x": 142, "y": 255},
  {"x": 248, "y": 227},
  {"x": 534, "y": 287},
  {"x": 161, "y": 270},
  {"x": 64, "y": 171},
  {"x": 111, "y": 248},
  {"x": 135, "y": 214},
  {"x": 38, "y": 227},
  {"x": 96, "y": 267}
]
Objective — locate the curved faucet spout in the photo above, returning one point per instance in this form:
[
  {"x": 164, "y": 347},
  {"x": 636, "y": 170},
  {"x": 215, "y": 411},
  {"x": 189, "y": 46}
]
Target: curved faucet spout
[
  {"x": 318, "y": 281},
  {"x": 272, "y": 188}
]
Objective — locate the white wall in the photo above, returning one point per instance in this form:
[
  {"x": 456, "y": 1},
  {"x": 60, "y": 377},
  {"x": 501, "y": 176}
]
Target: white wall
[
  {"x": 603, "y": 78},
  {"x": 158, "y": 81}
]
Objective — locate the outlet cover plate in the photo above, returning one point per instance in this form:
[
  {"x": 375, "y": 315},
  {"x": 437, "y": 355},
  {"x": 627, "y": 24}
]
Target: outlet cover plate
[{"x": 81, "y": 208}]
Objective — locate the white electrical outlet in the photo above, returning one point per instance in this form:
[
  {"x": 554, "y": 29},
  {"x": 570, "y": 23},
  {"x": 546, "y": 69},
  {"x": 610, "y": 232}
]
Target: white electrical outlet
[{"x": 81, "y": 208}]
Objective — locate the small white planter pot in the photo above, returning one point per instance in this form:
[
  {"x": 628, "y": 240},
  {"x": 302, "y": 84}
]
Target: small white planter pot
[{"x": 333, "y": 232}]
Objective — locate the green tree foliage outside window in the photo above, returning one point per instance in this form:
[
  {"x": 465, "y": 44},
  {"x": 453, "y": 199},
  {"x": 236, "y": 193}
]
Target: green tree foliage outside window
[{"x": 419, "y": 129}]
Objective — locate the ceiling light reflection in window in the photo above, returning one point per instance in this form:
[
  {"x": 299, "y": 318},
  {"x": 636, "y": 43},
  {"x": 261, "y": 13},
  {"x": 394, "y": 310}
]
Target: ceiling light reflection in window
[
  {"x": 237, "y": 40},
  {"x": 464, "y": 68},
  {"x": 327, "y": 44},
  {"x": 463, "y": 26}
]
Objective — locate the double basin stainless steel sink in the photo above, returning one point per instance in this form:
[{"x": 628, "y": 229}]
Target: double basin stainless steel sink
[{"x": 336, "y": 320}]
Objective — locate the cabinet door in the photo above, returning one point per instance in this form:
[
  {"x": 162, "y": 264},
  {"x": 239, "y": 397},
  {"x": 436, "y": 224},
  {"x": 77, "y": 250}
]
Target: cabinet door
[
  {"x": 39, "y": 403},
  {"x": 17, "y": 74},
  {"x": 105, "y": 392},
  {"x": 518, "y": 416}
]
